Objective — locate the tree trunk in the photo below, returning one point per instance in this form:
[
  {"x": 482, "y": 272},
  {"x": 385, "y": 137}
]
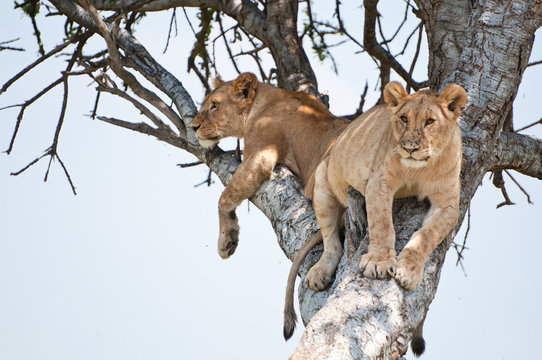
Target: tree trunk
[{"x": 359, "y": 318}]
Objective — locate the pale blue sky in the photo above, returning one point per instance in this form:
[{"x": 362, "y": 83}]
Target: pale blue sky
[{"x": 128, "y": 268}]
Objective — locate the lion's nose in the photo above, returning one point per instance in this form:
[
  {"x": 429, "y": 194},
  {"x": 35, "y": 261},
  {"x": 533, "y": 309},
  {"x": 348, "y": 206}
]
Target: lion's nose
[
  {"x": 195, "y": 127},
  {"x": 410, "y": 147}
]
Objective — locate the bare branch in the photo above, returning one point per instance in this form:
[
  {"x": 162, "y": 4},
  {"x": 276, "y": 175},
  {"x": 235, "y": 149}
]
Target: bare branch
[
  {"x": 460, "y": 248},
  {"x": 4, "y": 47},
  {"x": 207, "y": 181},
  {"x": 200, "y": 50},
  {"x": 187, "y": 165},
  {"x": 359, "y": 111},
  {"x": 228, "y": 49},
  {"x": 144, "y": 110},
  {"x": 41, "y": 59},
  {"x": 116, "y": 65},
  {"x": 172, "y": 22},
  {"x": 138, "y": 127},
  {"x": 498, "y": 181},
  {"x": 376, "y": 50},
  {"x": 518, "y": 152},
  {"x": 530, "y": 125},
  {"x": 31, "y": 8},
  {"x": 138, "y": 58},
  {"x": 519, "y": 186},
  {"x": 66, "y": 173},
  {"x": 534, "y": 63},
  {"x": 23, "y": 108},
  {"x": 416, "y": 54}
]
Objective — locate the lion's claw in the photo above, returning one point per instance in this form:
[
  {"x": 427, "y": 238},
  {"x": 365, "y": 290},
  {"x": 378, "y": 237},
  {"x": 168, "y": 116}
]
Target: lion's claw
[
  {"x": 409, "y": 272},
  {"x": 378, "y": 265}
]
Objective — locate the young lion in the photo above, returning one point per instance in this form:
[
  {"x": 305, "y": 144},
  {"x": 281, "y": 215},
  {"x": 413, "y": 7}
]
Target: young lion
[
  {"x": 279, "y": 126},
  {"x": 409, "y": 147}
]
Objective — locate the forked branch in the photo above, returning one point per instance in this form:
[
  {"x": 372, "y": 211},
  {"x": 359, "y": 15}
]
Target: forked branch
[{"x": 375, "y": 49}]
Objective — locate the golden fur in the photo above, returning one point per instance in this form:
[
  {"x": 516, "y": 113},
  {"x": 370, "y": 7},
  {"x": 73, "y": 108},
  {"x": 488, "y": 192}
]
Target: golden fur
[
  {"x": 278, "y": 126},
  {"x": 411, "y": 146}
]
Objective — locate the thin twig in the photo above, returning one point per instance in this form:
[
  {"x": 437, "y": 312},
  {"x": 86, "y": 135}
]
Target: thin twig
[
  {"x": 138, "y": 127},
  {"x": 498, "y": 181},
  {"x": 228, "y": 49},
  {"x": 32, "y": 12},
  {"x": 172, "y": 22},
  {"x": 463, "y": 247},
  {"x": 535, "y": 63},
  {"x": 403, "y": 22},
  {"x": 66, "y": 173},
  {"x": 376, "y": 50},
  {"x": 187, "y": 165},
  {"x": 200, "y": 50},
  {"x": 207, "y": 181},
  {"x": 416, "y": 54},
  {"x": 41, "y": 59},
  {"x": 519, "y": 186},
  {"x": 23, "y": 108},
  {"x": 128, "y": 78},
  {"x": 407, "y": 41},
  {"x": 142, "y": 108},
  {"x": 359, "y": 111},
  {"x": 530, "y": 125},
  {"x": 4, "y": 47}
]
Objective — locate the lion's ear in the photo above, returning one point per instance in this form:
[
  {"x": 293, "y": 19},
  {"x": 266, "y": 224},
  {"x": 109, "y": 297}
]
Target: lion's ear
[
  {"x": 454, "y": 98},
  {"x": 217, "y": 82},
  {"x": 243, "y": 90},
  {"x": 394, "y": 93}
]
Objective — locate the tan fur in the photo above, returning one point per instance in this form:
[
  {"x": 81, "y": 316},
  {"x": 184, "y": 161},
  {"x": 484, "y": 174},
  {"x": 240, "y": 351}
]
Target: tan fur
[
  {"x": 409, "y": 147},
  {"x": 278, "y": 126}
]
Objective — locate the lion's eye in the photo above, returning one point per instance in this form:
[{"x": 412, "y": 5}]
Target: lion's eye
[
  {"x": 429, "y": 121},
  {"x": 403, "y": 119},
  {"x": 213, "y": 106}
]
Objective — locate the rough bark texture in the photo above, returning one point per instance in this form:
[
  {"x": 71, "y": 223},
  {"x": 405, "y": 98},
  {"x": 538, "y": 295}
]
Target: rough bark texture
[
  {"x": 359, "y": 318},
  {"x": 445, "y": 24},
  {"x": 519, "y": 152},
  {"x": 483, "y": 46}
]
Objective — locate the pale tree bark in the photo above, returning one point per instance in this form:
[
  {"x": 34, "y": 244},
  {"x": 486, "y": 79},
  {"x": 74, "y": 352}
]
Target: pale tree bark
[
  {"x": 483, "y": 46},
  {"x": 367, "y": 319}
]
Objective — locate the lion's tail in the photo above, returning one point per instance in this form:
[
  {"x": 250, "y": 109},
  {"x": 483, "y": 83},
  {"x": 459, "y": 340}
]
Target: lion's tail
[
  {"x": 417, "y": 344},
  {"x": 290, "y": 317}
]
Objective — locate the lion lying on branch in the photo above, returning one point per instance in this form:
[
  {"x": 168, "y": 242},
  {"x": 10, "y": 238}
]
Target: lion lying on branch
[{"x": 278, "y": 126}]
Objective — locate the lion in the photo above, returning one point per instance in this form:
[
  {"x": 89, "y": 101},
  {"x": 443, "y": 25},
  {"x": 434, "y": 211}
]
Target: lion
[
  {"x": 409, "y": 146},
  {"x": 278, "y": 126}
]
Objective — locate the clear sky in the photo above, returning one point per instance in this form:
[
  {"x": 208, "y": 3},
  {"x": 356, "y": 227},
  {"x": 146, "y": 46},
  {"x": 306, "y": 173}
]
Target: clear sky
[{"x": 128, "y": 268}]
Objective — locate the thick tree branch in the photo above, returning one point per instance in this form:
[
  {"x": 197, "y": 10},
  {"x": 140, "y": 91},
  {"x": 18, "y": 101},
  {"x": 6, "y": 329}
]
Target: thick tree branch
[
  {"x": 518, "y": 152},
  {"x": 281, "y": 198},
  {"x": 445, "y": 26},
  {"x": 491, "y": 85}
]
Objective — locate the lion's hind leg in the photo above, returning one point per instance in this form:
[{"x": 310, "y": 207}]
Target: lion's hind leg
[{"x": 329, "y": 212}]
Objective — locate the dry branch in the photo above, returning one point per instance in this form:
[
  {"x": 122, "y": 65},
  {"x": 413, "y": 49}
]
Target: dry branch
[
  {"x": 375, "y": 49},
  {"x": 521, "y": 153}
]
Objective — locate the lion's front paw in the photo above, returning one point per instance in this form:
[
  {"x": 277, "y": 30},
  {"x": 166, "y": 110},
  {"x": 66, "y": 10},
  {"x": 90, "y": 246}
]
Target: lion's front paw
[
  {"x": 409, "y": 272},
  {"x": 228, "y": 239},
  {"x": 378, "y": 264},
  {"x": 319, "y": 276}
]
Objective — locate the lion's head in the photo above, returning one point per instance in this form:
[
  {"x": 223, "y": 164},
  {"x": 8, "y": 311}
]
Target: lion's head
[
  {"x": 423, "y": 123},
  {"x": 224, "y": 110}
]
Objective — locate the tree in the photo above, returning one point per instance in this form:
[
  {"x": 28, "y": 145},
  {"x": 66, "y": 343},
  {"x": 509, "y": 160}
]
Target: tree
[{"x": 475, "y": 50}]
